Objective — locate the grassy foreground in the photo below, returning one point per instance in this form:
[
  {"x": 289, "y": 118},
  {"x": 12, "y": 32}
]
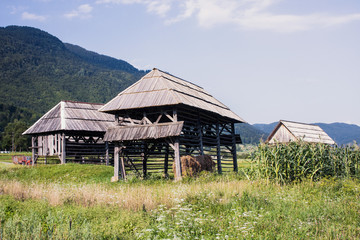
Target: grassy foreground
[{"x": 78, "y": 202}]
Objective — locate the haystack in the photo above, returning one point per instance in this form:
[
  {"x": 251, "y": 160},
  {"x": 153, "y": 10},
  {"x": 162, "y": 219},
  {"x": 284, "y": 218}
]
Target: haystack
[
  {"x": 191, "y": 166},
  {"x": 206, "y": 163}
]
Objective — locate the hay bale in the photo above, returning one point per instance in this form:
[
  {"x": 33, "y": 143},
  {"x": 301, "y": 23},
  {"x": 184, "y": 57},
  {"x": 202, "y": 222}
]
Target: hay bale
[
  {"x": 189, "y": 166},
  {"x": 206, "y": 163}
]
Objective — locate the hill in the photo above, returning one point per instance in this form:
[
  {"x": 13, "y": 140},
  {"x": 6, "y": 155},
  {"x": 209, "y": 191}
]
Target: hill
[
  {"x": 341, "y": 133},
  {"x": 37, "y": 70},
  {"x": 250, "y": 134}
]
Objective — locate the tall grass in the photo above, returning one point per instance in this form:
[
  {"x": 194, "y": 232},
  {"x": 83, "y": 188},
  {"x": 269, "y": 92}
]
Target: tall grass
[{"x": 296, "y": 161}]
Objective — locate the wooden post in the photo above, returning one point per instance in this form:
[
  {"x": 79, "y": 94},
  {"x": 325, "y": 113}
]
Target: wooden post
[
  {"x": 166, "y": 162},
  {"x": 144, "y": 159},
  {"x": 122, "y": 166},
  {"x": 63, "y": 149},
  {"x": 115, "y": 178},
  {"x": 33, "y": 150},
  {"x": 234, "y": 147},
  {"x": 107, "y": 153},
  {"x": 178, "y": 173},
  {"x": 200, "y": 135},
  {"x": 218, "y": 152}
]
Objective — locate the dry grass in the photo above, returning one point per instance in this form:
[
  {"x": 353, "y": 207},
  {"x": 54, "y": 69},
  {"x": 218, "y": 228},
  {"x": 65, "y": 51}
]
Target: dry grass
[{"x": 127, "y": 196}]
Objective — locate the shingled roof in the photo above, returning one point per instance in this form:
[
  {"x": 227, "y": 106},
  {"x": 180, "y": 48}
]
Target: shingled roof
[
  {"x": 158, "y": 88},
  {"x": 286, "y": 131},
  {"x": 73, "y": 116}
]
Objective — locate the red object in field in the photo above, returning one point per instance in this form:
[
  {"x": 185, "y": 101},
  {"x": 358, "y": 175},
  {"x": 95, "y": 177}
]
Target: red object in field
[{"x": 23, "y": 160}]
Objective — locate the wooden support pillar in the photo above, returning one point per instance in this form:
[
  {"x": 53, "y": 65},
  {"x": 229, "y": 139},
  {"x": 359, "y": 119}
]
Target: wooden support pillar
[
  {"x": 144, "y": 159},
  {"x": 115, "y": 178},
  {"x": 166, "y": 162},
  {"x": 234, "y": 147},
  {"x": 218, "y": 148},
  {"x": 33, "y": 150},
  {"x": 178, "y": 175},
  {"x": 107, "y": 153},
  {"x": 63, "y": 149},
  {"x": 200, "y": 128}
]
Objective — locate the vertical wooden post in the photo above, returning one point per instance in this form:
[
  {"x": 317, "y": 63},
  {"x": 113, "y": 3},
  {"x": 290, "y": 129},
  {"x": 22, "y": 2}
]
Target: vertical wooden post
[
  {"x": 115, "y": 178},
  {"x": 122, "y": 166},
  {"x": 218, "y": 148},
  {"x": 234, "y": 147},
  {"x": 144, "y": 159},
  {"x": 177, "y": 160},
  {"x": 166, "y": 162},
  {"x": 63, "y": 149},
  {"x": 200, "y": 135},
  {"x": 107, "y": 153},
  {"x": 33, "y": 150}
]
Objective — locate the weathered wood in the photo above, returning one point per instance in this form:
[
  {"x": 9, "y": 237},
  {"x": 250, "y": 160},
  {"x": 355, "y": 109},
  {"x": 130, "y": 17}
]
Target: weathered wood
[
  {"x": 166, "y": 161},
  {"x": 63, "y": 149},
  {"x": 107, "y": 153},
  {"x": 218, "y": 150},
  {"x": 33, "y": 150},
  {"x": 176, "y": 147},
  {"x": 234, "y": 148},
  {"x": 116, "y": 162}
]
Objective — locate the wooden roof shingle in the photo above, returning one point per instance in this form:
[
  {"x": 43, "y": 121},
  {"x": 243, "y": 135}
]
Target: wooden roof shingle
[
  {"x": 298, "y": 131},
  {"x": 73, "y": 116},
  {"x": 158, "y": 88}
]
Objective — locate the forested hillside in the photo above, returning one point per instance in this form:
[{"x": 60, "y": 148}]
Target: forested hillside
[{"x": 37, "y": 71}]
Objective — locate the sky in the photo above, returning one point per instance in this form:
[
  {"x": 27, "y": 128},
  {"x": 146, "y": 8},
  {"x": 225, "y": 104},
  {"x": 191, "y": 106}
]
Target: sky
[{"x": 266, "y": 60}]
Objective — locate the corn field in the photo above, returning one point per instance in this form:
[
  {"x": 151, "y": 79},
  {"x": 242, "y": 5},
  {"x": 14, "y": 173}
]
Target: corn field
[{"x": 296, "y": 161}]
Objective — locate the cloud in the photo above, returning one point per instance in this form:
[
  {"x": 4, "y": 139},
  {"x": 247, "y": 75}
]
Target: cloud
[
  {"x": 158, "y": 7},
  {"x": 83, "y": 11},
  {"x": 31, "y": 16},
  {"x": 246, "y": 14}
]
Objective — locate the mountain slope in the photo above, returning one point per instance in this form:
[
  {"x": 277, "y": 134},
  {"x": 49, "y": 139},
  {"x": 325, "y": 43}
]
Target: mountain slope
[
  {"x": 37, "y": 70},
  {"x": 249, "y": 134},
  {"x": 341, "y": 133}
]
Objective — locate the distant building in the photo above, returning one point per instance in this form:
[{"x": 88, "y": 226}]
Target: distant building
[
  {"x": 73, "y": 132},
  {"x": 287, "y": 131}
]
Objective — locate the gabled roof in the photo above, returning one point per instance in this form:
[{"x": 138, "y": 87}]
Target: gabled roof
[
  {"x": 72, "y": 116},
  {"x": 158, "y": 88},
  {"x": 299, "y": 131}
]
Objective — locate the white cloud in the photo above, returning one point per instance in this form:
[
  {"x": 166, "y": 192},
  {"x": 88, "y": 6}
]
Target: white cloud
[
  {"x": 31, "y": 16},
  {"x": 83, "y": 11},
  {"x": 247, "y": 14}
]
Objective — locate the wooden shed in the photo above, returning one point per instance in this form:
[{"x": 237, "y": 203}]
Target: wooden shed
[
  {"x": 72, "y": 131},
  {"x": 162, "y": 117},
  {"x": 287, "y": 131}
]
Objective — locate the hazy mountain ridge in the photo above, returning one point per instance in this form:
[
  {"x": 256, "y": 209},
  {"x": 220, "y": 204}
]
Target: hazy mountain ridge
[{"x": 341, "y": 133}]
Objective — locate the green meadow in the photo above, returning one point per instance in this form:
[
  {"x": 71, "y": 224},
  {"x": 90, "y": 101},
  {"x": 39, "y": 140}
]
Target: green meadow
[{"x": 76, "y": 201}]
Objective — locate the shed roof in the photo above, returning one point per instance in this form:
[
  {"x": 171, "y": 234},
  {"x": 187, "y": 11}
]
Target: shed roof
[
  {"x": 149, "y": 131},
  {"x": 73, "y": 116},
  {"x": 302, "y": 131},
  {"x": 158, "y": 88}
]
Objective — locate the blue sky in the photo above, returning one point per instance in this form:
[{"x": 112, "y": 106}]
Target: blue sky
[{"x": 267, "y": 60}]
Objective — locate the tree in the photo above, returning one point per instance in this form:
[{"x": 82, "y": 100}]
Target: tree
[{"x": 13, "y": 138}]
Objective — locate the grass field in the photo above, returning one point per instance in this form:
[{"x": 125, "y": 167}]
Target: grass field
[{"x": 78, "y": 202}]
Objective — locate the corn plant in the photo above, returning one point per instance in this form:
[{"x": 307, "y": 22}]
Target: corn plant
[{"x": 296, "y": 161}]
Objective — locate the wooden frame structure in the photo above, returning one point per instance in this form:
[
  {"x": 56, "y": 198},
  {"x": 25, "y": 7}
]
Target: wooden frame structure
[
  {"x": 161, "y": 117},
  {"x": 72, "y": 132}
]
